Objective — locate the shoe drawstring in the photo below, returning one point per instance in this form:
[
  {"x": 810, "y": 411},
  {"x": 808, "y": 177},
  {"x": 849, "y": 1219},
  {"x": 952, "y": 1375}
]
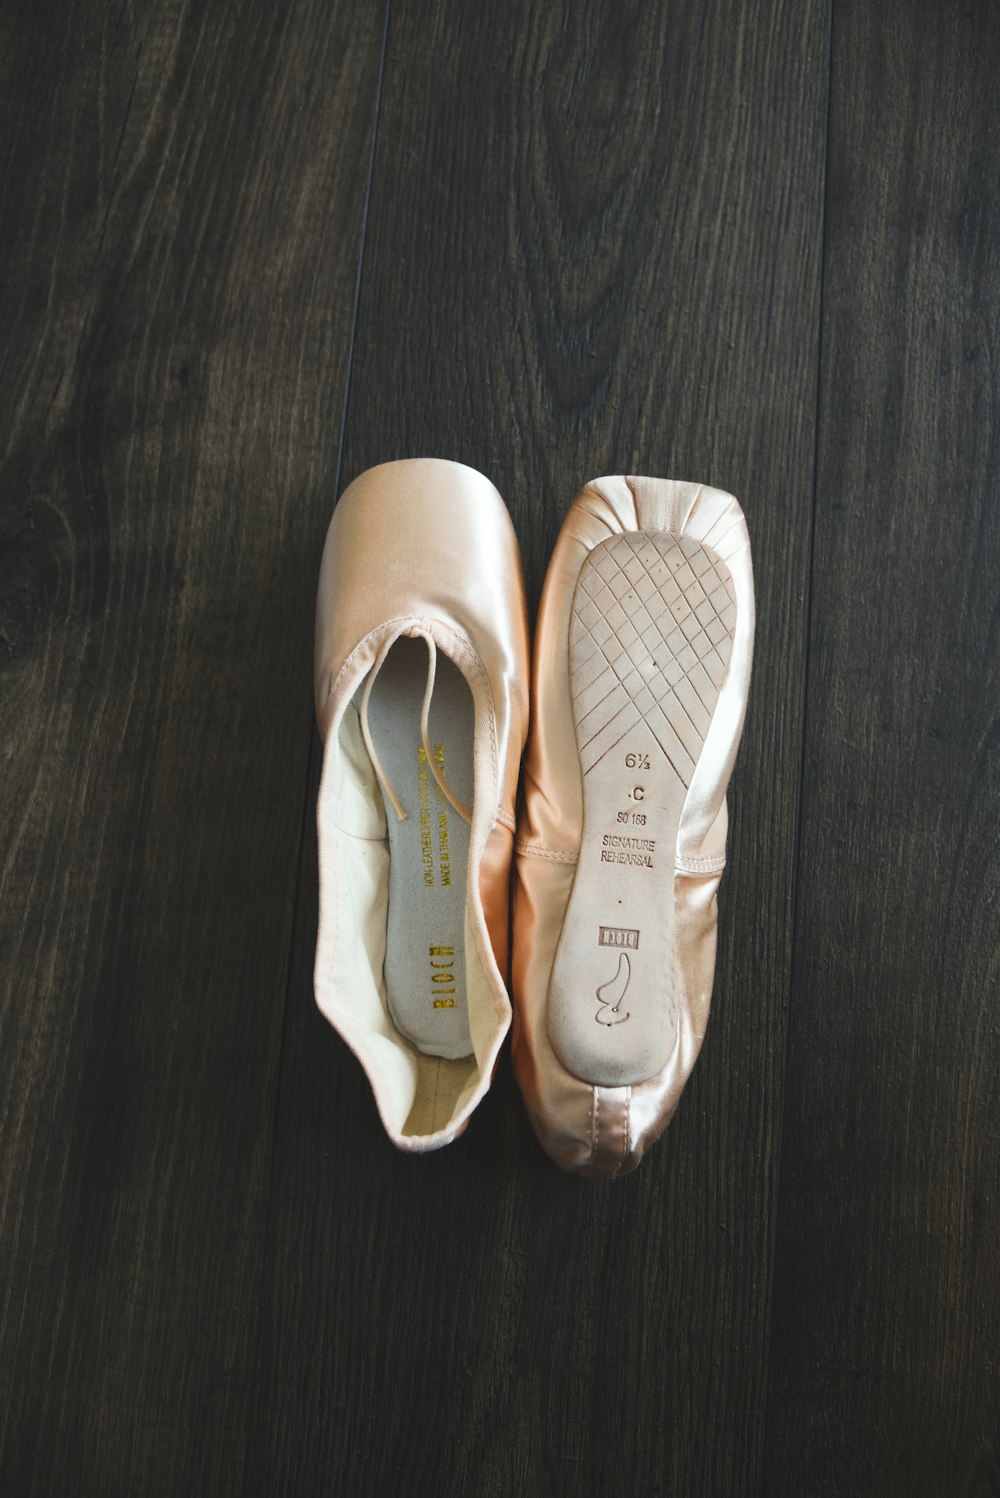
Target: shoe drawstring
[{"x": 425, "y": 737}]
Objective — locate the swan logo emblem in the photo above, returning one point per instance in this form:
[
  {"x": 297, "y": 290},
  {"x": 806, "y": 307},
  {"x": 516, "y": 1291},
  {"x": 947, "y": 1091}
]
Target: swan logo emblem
[{"x": 610, "y": 994}]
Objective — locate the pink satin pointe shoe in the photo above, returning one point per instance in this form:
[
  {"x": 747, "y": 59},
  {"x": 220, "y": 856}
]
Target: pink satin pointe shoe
[
  {"x": 641, "y": 671},
  {"x": 421, "y": 698}
]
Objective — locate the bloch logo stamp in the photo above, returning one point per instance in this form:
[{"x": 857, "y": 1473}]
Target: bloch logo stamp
[
  {"x": 610, "y": 995},
  {"x": 618, "y": 936}
]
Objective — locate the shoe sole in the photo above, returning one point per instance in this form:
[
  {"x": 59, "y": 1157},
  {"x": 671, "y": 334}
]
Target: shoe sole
[{"x": 651, "y": 634}]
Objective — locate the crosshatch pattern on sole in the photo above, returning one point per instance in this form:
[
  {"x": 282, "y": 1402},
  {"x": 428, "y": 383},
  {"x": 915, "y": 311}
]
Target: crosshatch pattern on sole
[
  {"x": 650, "y": 640},
  {"x": 651, "y": 634}
]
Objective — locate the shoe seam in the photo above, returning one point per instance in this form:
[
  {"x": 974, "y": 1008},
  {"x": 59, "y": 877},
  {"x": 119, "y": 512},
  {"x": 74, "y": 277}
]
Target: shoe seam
[
  {"x": 528, "y": 849},
  {"x": 701, "y": 865},
  {"x": 384, "y": 629},
  {"x": 627, "y": 1146},
  {"x": 536, "y": 850}
]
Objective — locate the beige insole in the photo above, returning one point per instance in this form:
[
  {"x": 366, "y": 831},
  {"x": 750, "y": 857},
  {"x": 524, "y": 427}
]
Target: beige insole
[
  {"x": 425, "y": 976},
  {"x": 650, "y": 638}
]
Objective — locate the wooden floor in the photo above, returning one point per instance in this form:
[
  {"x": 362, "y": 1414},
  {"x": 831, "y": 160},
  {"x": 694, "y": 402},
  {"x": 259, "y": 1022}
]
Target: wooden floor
[{"x": 248, "y": 250}]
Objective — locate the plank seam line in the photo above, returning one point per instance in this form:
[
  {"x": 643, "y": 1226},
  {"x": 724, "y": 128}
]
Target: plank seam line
[
  {"x": 266, "y": 1250},
  {"x": 768, "y": 1359}
]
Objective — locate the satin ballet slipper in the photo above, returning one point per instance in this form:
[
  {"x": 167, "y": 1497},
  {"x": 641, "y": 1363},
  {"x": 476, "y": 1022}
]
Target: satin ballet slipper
[
  {"x": 421, "y": 698},
  {"x": 641, "y": 673}
]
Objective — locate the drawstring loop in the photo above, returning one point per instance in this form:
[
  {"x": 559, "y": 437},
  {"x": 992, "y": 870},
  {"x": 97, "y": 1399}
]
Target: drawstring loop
[
  {"x": 383, "y": 778},
  {"x": 425, "y": 736}
]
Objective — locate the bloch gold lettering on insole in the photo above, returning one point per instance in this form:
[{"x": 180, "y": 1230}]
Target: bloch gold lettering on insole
[
  {"x": 442, "y": 973},
  {"x": 424, "y": 798}
]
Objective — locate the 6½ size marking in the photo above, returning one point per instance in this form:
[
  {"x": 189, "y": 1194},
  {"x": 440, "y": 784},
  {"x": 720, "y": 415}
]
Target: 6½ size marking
[{"x": 618, "y": 936}]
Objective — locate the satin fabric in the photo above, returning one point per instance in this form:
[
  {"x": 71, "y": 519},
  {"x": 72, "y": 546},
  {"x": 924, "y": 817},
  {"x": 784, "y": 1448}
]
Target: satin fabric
[
  {"x": 595, "y": 1130},
  {"x": 418, "y": 546}
]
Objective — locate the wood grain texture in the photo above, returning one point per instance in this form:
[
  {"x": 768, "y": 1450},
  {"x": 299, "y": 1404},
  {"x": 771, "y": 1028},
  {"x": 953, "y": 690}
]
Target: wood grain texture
[
  {"x": 593, "y": 247},
  {"x": 884, "y": 1377},
  {"x": 182, "y": 205},
  {"x": 590, "y": 240}
]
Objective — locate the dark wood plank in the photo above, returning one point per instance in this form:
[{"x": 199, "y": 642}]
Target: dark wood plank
[
  {"x": 884, "y": 1376},
  {"x": 593, "y": 247},
  {"x": 182, "y": 204}
]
